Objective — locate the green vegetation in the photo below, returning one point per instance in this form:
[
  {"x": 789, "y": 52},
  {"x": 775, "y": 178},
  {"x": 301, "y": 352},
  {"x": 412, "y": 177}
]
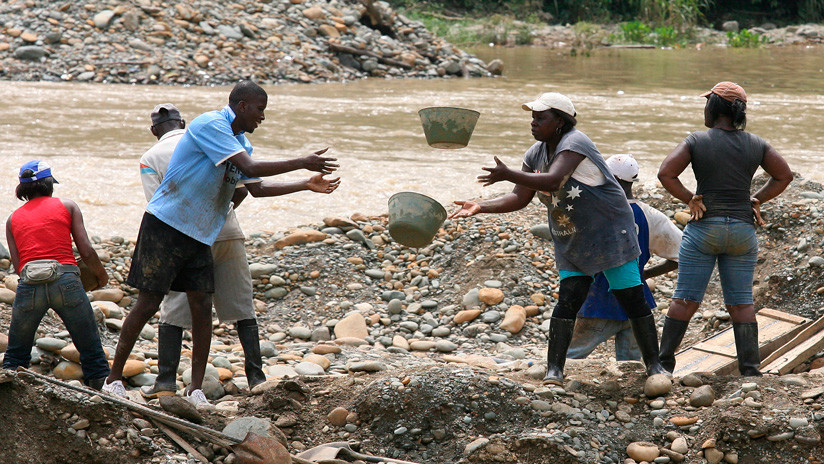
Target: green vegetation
[
  {"x": 495, "y": 28},
  {"x": 745, "y": 39},
  {"x": 637, "y": 32},
  {"x": 681, "y": 15}
]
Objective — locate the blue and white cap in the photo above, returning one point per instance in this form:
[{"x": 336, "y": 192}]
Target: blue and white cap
[{"x": 40, "y": 169}]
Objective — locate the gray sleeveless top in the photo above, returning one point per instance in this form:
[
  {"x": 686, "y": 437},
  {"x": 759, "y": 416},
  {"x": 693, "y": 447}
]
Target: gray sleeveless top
[{"x": 592, "y": 227}]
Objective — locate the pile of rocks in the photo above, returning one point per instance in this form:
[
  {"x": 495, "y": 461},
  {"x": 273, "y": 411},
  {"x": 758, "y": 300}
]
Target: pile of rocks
[
  {"x": 210, "y": 42},
  {"x": 387, "y": 334}
]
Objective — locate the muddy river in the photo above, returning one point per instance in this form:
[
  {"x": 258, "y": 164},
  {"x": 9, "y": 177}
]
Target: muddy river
[{"x": 629, "y": 101}]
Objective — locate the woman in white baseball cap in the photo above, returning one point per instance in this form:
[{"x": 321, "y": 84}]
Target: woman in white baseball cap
[{"x": 592, "y": 225}]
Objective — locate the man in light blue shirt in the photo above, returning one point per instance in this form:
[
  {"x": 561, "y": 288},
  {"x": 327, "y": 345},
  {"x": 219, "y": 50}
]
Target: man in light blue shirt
[{"x": 185, "y": 215}]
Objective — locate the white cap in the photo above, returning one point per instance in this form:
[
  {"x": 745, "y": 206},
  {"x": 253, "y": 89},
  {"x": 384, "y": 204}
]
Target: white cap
[
  {"x": 551, "y": 100},
  {"x": 623, "y": 167}
]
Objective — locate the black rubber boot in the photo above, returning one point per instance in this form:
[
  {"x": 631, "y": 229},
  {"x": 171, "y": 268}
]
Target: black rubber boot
[
  {"x": 647, "y": 337},
  {"x": 671, "y": 337},
  {"x": 247, "y": 332},
  {"x": 96, "y": 384},
  {"x": 746, "y": 347},
  {"x": 169, "y": 339},
  {"x": 560, "y": 334}
]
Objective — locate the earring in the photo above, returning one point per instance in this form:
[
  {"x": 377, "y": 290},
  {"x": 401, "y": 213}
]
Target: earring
[{"x": 558, "y": 130}]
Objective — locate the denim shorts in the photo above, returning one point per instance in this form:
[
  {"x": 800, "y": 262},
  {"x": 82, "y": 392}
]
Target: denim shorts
[
  {"x": 620, "y": 277},
  {"x": 732, "y": 242}
]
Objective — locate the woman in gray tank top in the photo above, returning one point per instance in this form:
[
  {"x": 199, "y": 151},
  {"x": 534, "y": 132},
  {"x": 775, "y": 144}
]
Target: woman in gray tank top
[
  {"x": 722, "y": 228},
  {"x": 592, "y": 225}
]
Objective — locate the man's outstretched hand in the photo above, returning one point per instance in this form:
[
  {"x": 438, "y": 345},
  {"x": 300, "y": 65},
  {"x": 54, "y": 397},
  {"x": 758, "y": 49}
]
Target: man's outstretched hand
[
  {"x": 321, "y": 164},
  {"x": 320, "y": 184}
]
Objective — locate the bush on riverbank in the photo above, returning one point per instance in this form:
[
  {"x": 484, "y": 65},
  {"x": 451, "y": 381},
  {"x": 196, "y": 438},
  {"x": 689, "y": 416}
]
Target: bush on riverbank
[{"x": 679, "y": 14}]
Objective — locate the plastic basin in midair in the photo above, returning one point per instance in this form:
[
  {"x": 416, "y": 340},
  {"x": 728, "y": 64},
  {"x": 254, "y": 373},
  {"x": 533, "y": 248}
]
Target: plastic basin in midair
[
  {"x": 414, "y": 219},
  {"x": 447, "y": 127}
]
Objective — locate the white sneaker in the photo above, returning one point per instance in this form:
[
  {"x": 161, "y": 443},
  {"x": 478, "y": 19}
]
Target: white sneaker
[
  {"x": 115, "y": 388},
  {"x": 197, "y": 398}
]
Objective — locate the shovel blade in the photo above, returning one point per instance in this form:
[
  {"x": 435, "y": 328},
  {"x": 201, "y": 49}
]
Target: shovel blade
[{"x": 256, "y": 449}]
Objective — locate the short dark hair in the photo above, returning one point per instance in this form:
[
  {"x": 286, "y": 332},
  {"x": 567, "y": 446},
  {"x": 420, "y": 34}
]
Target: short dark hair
[
  {"x": 736, "y": 110},
  {"x": 245, "y": 90},
  {"x": 40, "y": 188},
  {"x": 569, "y": 121}
]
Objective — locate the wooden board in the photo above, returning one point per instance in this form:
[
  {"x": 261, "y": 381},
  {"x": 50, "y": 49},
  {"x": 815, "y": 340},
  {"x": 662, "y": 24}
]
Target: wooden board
[
  {"x": 797, "y": 355},
  {"x": 717, "y": 353},
  {"x": 809, "y": 331}
]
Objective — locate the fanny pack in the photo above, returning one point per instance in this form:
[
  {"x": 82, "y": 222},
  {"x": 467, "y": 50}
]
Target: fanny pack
[{"x": 44, "y": 271}]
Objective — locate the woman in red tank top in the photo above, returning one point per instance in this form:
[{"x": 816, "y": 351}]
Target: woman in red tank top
[{"x": 40, "y": 243}]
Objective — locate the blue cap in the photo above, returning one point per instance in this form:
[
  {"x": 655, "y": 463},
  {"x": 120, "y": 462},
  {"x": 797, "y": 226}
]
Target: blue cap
[{"x": 41, "y": 170}]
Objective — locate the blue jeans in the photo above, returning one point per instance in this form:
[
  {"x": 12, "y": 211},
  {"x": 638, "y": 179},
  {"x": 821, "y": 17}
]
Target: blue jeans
[
  {"x": 730, "y": 242},
  {"x": 68, "y": 299},
  {"x": 591, "y": 332}
]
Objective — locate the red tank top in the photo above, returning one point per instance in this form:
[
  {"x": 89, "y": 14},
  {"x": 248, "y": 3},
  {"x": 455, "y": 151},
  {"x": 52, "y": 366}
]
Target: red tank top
[{"x": 42, "y": 230}]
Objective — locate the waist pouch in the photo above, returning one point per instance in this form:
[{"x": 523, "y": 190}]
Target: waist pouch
[{"x": 44, "y": 271}]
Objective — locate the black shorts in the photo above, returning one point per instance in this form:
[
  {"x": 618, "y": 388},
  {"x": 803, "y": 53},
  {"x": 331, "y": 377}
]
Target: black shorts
[{"x": 166, "y": 259}]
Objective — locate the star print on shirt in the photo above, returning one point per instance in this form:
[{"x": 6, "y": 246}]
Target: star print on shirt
[
  {"x": 554, "y": 201},
  {"x": 563, "y": 220},
  {"x": 573, "y": 193},
  {"x": 569, "y": 207}
]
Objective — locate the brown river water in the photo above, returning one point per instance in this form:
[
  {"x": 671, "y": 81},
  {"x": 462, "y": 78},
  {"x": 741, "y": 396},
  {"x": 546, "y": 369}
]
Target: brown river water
[{"x": 628, "y": 101}]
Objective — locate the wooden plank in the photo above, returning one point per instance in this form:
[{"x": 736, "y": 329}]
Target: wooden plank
[
  {"x": 181, "y": 442},
  {"x": 715, "y": 349},
  {"x": 717, "y": 352},
  {"x": 808, "y": 331},
  {"x": 797, "y": 355},
  {"x": 782, "y": 316}
]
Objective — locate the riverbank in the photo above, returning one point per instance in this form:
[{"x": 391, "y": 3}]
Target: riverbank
[
  {"x": 208, "y": 43},
  {"x": 377, "y": 338},
  {"x": 508, "y": 30}
]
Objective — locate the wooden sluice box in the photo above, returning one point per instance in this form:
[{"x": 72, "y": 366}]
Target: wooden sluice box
[{"x": 717, "y": 353}]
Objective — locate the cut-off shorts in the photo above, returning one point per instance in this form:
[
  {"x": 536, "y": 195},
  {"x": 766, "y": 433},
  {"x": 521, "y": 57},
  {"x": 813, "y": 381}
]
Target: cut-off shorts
[
  {"x": 620, "y": 277},
  {"x": 731, "y": 242}
]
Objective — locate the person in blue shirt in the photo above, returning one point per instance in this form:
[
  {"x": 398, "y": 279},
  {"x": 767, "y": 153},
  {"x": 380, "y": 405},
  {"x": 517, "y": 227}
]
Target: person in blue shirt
[
  {"x": 601, "y": 316},
  {"x": 185, "y": 215}
]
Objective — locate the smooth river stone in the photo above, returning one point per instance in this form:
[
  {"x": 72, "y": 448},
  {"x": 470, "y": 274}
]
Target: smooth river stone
[
  {"x": 51, "y": 344},
  {"x": 308, "y": 368},
  {"x": 353, "y": 325}
]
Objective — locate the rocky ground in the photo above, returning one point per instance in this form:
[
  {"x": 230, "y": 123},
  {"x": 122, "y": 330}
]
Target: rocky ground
[
  {"x": 206, "y": 42},
  {"x": 560, "y": 36},
  {"x": 435, "y": 355}
]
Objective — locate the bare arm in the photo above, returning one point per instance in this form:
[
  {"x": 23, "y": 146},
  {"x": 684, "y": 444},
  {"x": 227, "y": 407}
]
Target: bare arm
[
  {"x": 15, "y": 256},
  {"x": 316, "y": 183},
  {"x": 239, "y": 195},
  {"x": 559, "y": 171},
  {"x": 672, "y": 167},
  {"x": 263, "y": 168},
  {"x": 84, "y": 245},
  {"x": 780, "y": 175},
  {"x": 660, "y": 269},
  {"x": 517, "y": 199}
]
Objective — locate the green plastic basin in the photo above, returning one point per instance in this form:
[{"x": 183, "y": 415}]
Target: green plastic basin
[
  {"x": 414, "y": 219},
  {"x": 447, "y": 127}
]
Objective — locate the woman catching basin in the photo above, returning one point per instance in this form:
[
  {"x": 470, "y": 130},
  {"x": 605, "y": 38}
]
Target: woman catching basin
[{"x": 592, "y": 225}]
